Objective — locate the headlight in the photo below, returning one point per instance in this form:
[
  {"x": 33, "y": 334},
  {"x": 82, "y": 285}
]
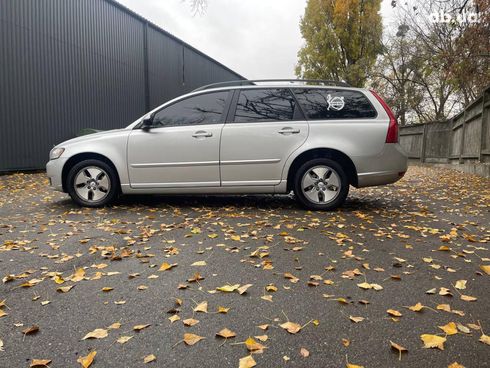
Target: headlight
[{"x": 56, "y": 153}]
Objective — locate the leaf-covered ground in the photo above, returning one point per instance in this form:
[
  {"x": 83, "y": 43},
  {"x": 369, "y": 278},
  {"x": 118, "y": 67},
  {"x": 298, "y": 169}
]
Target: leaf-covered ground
[{"x": 399, "y": 277}]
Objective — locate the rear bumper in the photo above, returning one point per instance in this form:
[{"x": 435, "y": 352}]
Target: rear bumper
[
  {"x": 386, "y": 168},
  {"x": 54, "y": 170}
]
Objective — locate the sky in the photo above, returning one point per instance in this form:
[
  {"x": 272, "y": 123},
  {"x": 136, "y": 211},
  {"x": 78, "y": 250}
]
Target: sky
[{"x": 258, "y": 39}]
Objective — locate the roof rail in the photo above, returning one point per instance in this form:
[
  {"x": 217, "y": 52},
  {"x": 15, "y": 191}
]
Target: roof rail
[{"x": 253, "y": 82}]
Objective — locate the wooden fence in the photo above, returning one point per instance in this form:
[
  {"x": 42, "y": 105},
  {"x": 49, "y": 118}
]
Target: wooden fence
[{"x": 465, "y": 138}]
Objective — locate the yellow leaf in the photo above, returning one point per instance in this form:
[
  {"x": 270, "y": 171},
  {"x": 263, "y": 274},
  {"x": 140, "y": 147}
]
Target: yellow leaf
[
  {"x": 433, "y": 341},
  {"x": 460, "y": 284},
  {"x": 190, "y": 322},
  {"x": 354, "y": 366},
  {"x": 86, "y": 361},
  {"x": 140, "y": 327},
  {"x": 262, "y": 338},
  {"x": 124, "y": 339},
  {"x": 291, "y": 327},
  {"x": 253, "y": 345},
  {"x": 191, "y": 339},
  {"x": 228, "y": 288},
  {"x": 115, "y": 326},
  {"x": 65, "y": 289},
  {"x": 365, "y": 285},
  {"x": 98, "y": 333},
  {"x": 444, "y": 307},
  {"x": 107, "y": 289},
  {"x": 79, "y": 275},
  {"x": 40, "y": 363},
  {"x": 400, "y": 349},
  {"x": 3, "y": 313},
  {"x": 455, "y": 365},
  {"x": 199, "y": 263},
  {"x": 394, "y": 312},
  {"x": 485, "y": 268},
  {"x": 243, "y": 289},
  {"x": 450, "y": 328},
  {"x": 356, "y": 319},
  {"x": 226, "y": 333},
  {"x": 267, "y": 297},
  {"x": 223, "y": 310},
  {"x": 467, "y": 298},
  {"x": 58, "y": 279},
  {"x": 174, "y": 318},
  {"x": 291, "y": 277},
  {"x": 485, "y": 339},
  {"x": 247, "y": 362},
  {"x": 417, "y": 307},
  {"x": 149, "y": 358},
  {"x": 167, "y": 266},
  {"x": 201, "y": 307}
]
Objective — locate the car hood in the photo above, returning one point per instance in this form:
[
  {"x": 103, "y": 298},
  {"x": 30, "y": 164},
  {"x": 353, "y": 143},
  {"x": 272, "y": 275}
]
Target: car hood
[{"x": 89, "y": 137}]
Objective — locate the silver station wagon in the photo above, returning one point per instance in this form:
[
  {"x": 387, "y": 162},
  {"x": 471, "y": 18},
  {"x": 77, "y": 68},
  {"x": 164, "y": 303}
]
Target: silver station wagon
[{"x": 315, "y": 138}]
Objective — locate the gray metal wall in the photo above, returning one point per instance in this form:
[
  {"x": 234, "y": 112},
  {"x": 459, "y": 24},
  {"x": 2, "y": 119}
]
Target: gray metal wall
[{"x": 72, "y": 64}]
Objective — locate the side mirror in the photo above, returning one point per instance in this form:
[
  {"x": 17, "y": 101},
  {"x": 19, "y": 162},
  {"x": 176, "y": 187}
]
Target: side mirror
[{"x": 147, "y": 123}]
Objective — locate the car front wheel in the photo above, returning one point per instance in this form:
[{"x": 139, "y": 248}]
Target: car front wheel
[
  {"x": 321, "y": 184},
  {"x": 92, "y": 183}
]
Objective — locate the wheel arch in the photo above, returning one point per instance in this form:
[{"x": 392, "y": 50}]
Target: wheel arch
[
  {"x": 336, "y": 155},
  {"x": 79, "y": 157}
]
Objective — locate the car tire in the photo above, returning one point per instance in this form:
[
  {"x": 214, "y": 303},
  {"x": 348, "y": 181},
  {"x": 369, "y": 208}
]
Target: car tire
[
  {"x": 321, "y": 184},
  {"x": 92, "y": 183}
]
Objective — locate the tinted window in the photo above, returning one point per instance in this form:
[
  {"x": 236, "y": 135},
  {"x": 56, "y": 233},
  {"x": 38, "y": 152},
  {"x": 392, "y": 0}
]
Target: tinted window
[
  {"x": 320, "y": 104},
  {"x": 197, "y": 110},
  {"x": 264, "y": 105}
]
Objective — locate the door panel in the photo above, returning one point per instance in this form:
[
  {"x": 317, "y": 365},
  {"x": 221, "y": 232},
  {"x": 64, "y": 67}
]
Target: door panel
[
  {"x": 174, "y": 156},
  {"x": 255, "y": 153}
]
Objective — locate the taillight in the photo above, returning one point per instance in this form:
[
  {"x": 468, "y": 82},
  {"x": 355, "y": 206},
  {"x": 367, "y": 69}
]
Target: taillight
[{"x": 392, "y": 135}]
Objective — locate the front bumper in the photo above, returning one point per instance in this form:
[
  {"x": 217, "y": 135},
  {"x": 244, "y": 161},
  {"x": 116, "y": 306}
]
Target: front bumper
[{"x": 54, "y": 170}]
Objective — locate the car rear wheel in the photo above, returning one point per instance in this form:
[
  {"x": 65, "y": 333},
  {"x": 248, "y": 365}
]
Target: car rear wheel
[
  {"x": 92, "y": 183},
  {"x": 321, "y": 184}
]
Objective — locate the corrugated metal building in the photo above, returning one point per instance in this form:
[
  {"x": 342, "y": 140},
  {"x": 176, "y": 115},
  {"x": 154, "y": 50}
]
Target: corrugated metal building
[{"x": 66, "y": 65}]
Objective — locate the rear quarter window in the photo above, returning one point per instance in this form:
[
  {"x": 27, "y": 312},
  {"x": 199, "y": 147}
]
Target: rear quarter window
[{"x": 330, "y": 104}]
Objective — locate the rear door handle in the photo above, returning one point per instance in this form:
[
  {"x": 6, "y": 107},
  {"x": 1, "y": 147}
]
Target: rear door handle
[
  {"x": 289, "y": 130},
  {"x": 202, "y": 134}
]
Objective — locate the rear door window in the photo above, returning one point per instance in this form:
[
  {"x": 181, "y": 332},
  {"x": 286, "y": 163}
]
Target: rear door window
[
  {"x": 256, "y": 105},
  {"x": 330, "y": 104}
]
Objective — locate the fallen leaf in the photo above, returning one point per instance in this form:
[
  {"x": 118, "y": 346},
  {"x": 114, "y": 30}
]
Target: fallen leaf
[
  {"x": 485, "y": 339},
  {"x": 201, "y": 307},
  {"x": 394, "y": 312},
  {"x": 86, "y": 361},
  {"x": 291, "y": 327},
  {"x": 199, "y": 263},
  {"x": 65, "y": 289},
  {"x": 400, "y": 349},
  {"x": 468, "y": 298},
  {"x": 228, "y": 288},
  {"x": 455, "y": 365},
  {"x": 356, "y": 319},
  {"x": 98, "y": 333},
  {"x": 40, "y": 363},
  {"x": 460, "y": 284},
  {"x": 485, "y": 268},
  {"x": 304, "y": 353},
  {"x": 167, "y": 266},
  {"x": 149, "y": 358},
  {"x": 417, "y": 307},
  {"x": 247, "y": 362},
  {"x": 190, "y": 322},
  {"x": 124, "y": 339},
  {"x": 253, "y": 345},
  {"x": 31, "y": 330},
  {"x": 243, "y": 289},
  {"x": 450, "y": 328},
  {"x": 226, "y": 333},
  {"x": 433, "y": 341},
  {"x": 191, "y": 339},
  {"x": 140, "y": 327}
]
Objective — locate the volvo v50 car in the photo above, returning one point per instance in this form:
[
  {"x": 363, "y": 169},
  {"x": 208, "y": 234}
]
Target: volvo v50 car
[{"x": 243, "y": 137}]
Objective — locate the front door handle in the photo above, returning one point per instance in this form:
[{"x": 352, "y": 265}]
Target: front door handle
[
  {"x": 202, "y": 134},
  {"x": 289, "y": 130}
]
